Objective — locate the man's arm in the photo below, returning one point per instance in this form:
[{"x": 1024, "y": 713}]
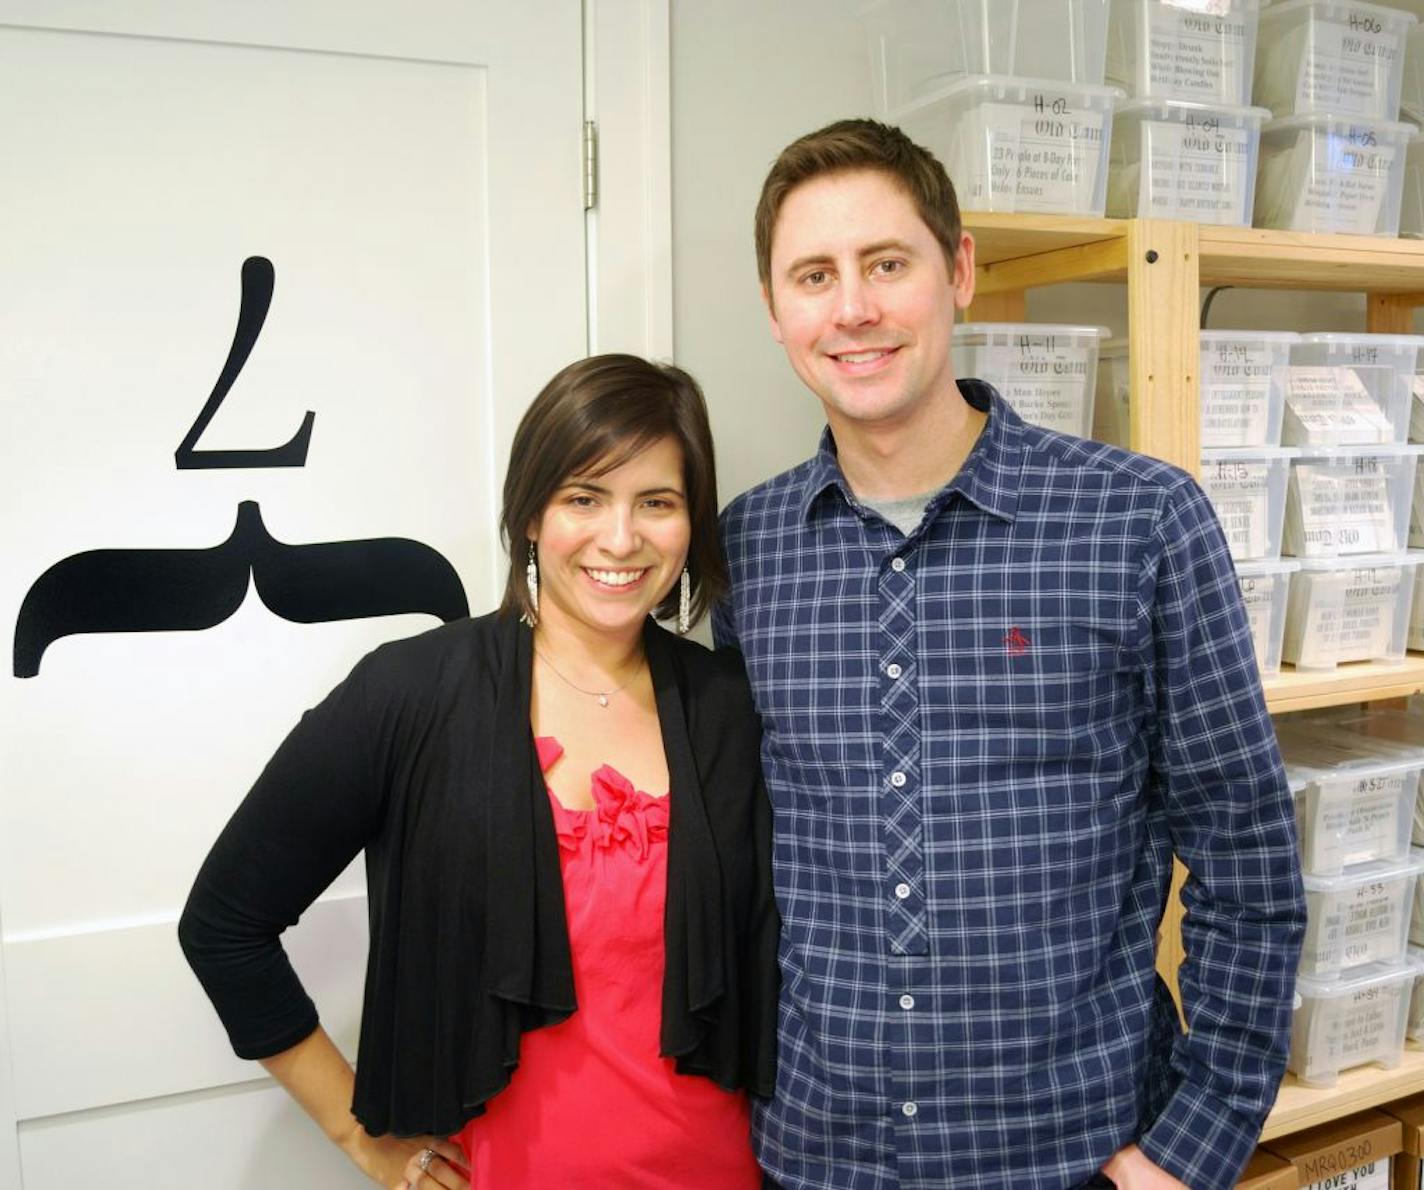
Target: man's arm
[{"x": 1217, "y": 773}]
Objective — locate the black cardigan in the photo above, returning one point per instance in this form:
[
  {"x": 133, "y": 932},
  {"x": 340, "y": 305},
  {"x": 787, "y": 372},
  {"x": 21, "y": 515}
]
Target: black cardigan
[{"x": 425, "y": 758}]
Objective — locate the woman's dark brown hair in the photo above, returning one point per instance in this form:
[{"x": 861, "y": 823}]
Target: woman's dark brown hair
[{"x": 592, "y": 417}]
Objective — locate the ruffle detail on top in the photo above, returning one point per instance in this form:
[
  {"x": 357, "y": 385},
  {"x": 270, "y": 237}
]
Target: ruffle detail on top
[{"x": 622, "y": 816}]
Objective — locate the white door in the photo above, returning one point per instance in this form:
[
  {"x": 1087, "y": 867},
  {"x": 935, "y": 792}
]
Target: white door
[{"x": 276, "y": 281}]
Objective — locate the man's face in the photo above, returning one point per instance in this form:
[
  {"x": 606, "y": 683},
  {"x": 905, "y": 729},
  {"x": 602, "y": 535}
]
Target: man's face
[{"x": 862, "y": 299}]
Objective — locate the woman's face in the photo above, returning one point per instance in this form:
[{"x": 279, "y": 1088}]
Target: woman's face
[{"x": 611, "y": 546}]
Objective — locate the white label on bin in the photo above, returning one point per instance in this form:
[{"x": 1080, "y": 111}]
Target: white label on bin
[
  {"x": 1197, "y": 170},
  {"x": 1341, "y": 508},
  {"x": 1258, "y": 596},
  {"x": 1043, "y": 156},
  {"x": 1346, "y": 189},
  {"x": 1370, "y": 926},
  {"x": 1197, "y": 51},
  {"x": 1331, "y": 405},
  {"x": 1236, "y": 394},
  {"x": 1348, "y": 65},
  {"x": 1367, "y": 619},
  {"x": 1239, "y": 490},
  {"x": 1312, "y": 633},
  {"x": 1355, "y": 821},
  {"x": 1374, "y": 1176},
  {"x": 1045, "y": 380}
]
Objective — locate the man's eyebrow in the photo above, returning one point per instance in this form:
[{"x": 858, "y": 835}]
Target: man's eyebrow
[{"x": 822, "y": 258}]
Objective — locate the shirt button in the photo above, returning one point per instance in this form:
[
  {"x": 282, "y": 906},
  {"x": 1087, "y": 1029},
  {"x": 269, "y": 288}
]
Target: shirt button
[
  {"x": 909, "y": 1109},
  {"x": 897, "y": 564},
  {"x": 902, "y": 891},
  {"x": 907, "y": 1002},
  {"x": 893, "y": 670},
  {"x": 897, "y": 779}
]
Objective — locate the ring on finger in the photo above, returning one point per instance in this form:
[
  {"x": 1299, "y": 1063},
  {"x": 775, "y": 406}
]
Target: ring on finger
[{"x": 424, "y": 1158}]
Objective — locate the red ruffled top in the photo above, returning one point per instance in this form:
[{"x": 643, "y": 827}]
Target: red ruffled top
[{"x": 592, "y": 1104}]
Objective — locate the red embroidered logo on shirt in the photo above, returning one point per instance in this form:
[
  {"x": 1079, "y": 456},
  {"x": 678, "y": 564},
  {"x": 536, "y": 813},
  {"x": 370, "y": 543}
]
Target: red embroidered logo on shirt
[{"x": 1016, "y": 642}]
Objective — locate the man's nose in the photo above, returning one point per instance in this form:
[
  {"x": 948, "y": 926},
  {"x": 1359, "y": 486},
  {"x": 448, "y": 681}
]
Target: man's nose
[{"x": 856, "y": 305}]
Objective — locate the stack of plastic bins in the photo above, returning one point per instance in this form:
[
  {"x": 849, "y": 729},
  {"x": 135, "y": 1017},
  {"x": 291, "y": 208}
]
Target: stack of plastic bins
[
  {"x": 1044, "y": 371},
  {"x": 1348, "y": 503},
  {"x": 1007, "y": 94},
  {"x": 1185, "y": 146},
  {"x": 1355, "y": 807},
  {"x": 1333, "y": 159}
]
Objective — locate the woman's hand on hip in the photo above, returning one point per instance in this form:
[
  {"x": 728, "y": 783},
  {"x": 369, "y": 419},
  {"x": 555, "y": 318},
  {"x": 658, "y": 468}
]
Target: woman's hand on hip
[{"x": 403, "y": 1164}]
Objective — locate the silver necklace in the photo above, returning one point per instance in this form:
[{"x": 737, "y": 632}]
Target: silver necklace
[{"x": 602, "y": 695}]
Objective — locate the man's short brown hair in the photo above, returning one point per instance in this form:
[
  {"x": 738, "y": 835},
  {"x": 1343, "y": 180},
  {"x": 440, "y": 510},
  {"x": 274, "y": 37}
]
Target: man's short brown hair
[{"x": 847, "y": 146}]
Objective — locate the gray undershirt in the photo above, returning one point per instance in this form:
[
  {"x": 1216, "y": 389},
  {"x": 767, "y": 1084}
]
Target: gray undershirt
[{"x": 903, "y": 514}]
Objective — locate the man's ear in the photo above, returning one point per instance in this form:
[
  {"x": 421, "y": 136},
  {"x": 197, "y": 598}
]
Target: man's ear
[
  {"x": 771, "y": 314},
  {"x": 964, "y": 276}
]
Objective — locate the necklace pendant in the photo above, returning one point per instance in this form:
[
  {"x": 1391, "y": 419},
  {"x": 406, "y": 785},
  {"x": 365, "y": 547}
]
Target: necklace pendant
[{"x": 603, "y": 700}]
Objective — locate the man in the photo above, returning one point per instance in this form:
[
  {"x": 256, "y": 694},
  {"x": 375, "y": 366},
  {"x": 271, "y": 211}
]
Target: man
[{"x": 1003, "y": 674}]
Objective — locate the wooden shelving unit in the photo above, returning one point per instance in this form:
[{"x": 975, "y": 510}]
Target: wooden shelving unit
[{"x": 1164, "y": 265}]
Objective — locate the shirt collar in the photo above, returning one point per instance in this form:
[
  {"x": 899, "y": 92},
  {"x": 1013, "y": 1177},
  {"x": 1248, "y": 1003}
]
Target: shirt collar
[{"x": 989, "y": 478}]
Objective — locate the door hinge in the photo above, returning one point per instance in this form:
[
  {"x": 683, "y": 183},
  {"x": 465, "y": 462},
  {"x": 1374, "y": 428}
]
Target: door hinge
[{"x": 590, "y": 165}]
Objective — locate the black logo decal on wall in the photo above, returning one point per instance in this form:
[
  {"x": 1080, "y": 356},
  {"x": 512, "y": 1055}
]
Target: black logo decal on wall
[
  {"x": 182, "y": 590},
  {"x": 258, "y": 280}
]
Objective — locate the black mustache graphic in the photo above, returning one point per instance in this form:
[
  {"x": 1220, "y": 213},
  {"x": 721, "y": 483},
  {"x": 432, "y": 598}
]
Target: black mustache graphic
[{"x": 190, "y": 590}]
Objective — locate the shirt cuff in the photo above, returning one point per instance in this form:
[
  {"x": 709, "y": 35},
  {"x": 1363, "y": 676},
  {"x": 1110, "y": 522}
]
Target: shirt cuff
[{"x": 1200, "y": 1141}]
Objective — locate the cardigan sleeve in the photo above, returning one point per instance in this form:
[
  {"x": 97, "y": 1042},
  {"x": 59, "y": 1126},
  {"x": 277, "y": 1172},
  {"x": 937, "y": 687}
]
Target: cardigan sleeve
[{"x": 315, "y": 805}]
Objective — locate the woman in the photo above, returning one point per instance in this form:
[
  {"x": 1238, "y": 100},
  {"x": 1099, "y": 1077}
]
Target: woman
[{"x": 571, "y": 978}]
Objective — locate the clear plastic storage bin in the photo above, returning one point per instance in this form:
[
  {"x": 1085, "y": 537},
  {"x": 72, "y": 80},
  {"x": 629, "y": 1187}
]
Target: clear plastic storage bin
[
  {"x": 1247, "y": 488},
  {"x": 1014, "y": 144},
  {"x": 1384, "y": 367},
  {"x": 1167, "y": 49},
  {"x": 1349, "y": 609},
  {"x": 1356, "y": 803},
  {"x": 1411, "y": 93},
  {"x": 1359, "y": 917},
  {"x": 1265, "y": 587},
  {"x": 1415, "y": 637},
  {"x": 1331, "y": 173},
  {"x": 1176, "y": 159},
  {"x": 1338, "y": 56},
  {"x": 918, "y": 47},
  {"x": 1349, "y": 500},
  {"x": 1349, "y": 1022},
  {"x": 1242, "y": 393},
  {"x": 1045, "y": 371}
]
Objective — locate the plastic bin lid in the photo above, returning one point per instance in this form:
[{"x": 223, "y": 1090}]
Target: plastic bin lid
[
  {"x": 1362, "y": 561},
  {"x": 1415, "y": 341},
  {"x": 1318, "y": 119},
  {"x": 1357, "y": 979},
  {"x": 1277, "y": 7},
  {"x": 1005, "y": 86},
  {"x": 1266, "y": 566},
  {"x": 1398, "y": 449},
  {"x": 1165, "y": 107},
  {"x": 1033, "y": 328},
  {"x": 1247, "y": 336},
  {"x": 1329, "y": 753},
  {"x": 1374, "y": 872},
  {"x": 1269, "y": 453}
]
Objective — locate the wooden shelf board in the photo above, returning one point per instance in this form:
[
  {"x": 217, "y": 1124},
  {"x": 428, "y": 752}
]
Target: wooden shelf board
[
  {"x": 1299, "y": 1107},
  {"x": 1293, "y": 691},
  {"x": 1299, "y": 260},
  {"x": 999, "y": 237}
]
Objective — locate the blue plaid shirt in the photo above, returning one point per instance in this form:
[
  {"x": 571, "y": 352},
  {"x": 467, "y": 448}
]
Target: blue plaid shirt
[{"x": 983, "y": 743}]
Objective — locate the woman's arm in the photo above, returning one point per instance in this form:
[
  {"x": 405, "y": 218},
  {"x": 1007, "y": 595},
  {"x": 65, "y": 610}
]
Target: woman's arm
[{"x": 319, "y": 1078}]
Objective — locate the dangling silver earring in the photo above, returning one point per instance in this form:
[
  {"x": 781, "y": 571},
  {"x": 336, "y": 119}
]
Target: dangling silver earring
[
  {"x": 531, "y": 580},
  {"x": 684, "y": 603}
]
